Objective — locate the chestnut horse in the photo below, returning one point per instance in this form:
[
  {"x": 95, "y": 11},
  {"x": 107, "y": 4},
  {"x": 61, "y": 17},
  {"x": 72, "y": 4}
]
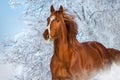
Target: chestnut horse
[{"x": 73, "y": 60}]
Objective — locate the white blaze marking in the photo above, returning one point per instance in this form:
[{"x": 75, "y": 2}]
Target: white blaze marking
[
  {"x": 51, "y": 19},
  {"x": 48, "y": 27}
]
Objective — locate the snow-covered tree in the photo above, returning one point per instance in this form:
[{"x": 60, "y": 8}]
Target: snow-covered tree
[{"x": 97, "y": 20}]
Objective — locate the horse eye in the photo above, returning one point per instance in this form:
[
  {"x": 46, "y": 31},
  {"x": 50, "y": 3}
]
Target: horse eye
[{"x": 57, "y": 20}]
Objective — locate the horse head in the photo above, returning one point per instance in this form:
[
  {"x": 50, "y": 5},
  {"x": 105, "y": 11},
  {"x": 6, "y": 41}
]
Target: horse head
[
  {"x": 60, "y": 25},
  {"x": 55, "y": 23}
]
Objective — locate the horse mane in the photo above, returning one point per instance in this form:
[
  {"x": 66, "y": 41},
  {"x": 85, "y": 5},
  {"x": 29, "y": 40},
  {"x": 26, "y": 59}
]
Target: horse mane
[{"x": 71, "y": 27}]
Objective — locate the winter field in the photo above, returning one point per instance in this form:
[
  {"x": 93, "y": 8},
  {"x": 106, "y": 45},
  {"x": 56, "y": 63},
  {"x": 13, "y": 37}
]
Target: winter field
[{"x": 27, "y": 56}]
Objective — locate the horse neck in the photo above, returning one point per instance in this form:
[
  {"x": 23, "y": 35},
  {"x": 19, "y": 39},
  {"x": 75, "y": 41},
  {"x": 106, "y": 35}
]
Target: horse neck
[{"x": 61, "y": 44}]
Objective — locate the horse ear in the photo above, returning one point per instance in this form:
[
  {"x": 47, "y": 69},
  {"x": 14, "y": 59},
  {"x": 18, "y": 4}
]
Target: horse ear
[
  {"x": 61, "y": 8},
  {"x": 52, "y": 9}
]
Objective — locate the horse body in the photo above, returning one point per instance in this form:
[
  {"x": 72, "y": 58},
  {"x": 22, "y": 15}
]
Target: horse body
[
  {"x": 83, "y": 58},
  {"x": 73, "y": 60}
]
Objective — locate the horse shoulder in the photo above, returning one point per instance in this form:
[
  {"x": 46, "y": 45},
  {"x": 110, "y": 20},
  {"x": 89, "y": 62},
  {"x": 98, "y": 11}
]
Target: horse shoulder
[{"x": 75, "y": 62}]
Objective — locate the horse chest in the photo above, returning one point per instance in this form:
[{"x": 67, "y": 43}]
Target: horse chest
[{"x": 59, "y": 68}]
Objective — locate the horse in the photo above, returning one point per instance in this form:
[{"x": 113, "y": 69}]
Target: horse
[{"x": 73, "y": 60}]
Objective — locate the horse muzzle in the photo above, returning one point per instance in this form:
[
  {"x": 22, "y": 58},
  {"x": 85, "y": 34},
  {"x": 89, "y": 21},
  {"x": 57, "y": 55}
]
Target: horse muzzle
[{"x": 46, "y": 34}]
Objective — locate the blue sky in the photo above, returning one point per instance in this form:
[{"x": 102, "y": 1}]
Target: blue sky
[{"x": 11, "y": 21}]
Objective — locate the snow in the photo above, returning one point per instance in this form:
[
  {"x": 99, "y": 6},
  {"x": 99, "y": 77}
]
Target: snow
[
  {"x": 112, "y": 74},
  {"x": 27, "y": 56},
  {"x": 9, "y": 71}
]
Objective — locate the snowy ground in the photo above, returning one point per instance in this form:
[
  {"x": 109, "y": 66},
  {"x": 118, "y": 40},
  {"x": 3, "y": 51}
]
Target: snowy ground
[
  {"x": 112, "y": 74},
  {"x": 11, "y": 71}
]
